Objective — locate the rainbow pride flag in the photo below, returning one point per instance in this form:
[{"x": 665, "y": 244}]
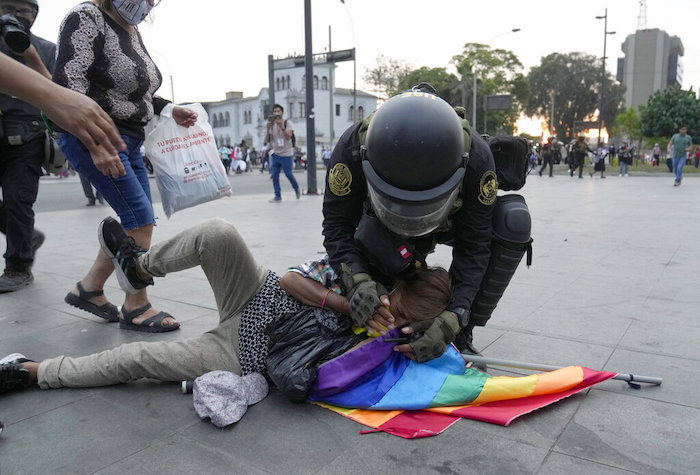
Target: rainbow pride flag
[{"x": 382, "y": 389}]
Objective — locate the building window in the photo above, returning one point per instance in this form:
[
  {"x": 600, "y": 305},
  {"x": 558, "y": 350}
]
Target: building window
[
  {"x": 228, "y": 119},
  {"x": 277, "y": 84},
  {"x": 289, "y": 83},
  {"x": 315, "y": 82},
  {"x": 221, "y": 119},
  {"x": 284, "y": 83},
  {"x": 337, "y": 110},
  {"x": 292, "y": 110},
  {"x": 214, "y": 122},
  {"x": 360, "y": 113},
  {"x": 302, "y": 109},
  {"x": 351, "y": 114},
  {"x": 324, "y": 83}
]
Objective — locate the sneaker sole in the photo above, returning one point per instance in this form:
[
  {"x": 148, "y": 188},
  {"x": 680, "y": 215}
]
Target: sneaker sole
[
  {"x": 4, "y": 290},
  {"x": 121, "y": 276},
  {"x": 12, "y": 357}
]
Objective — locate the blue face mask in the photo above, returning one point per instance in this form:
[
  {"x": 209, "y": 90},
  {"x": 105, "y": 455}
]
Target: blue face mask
[{"x": 132, "y": 11}]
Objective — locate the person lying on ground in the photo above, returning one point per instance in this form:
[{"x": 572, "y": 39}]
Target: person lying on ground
[{"x": 248, "y": 298}]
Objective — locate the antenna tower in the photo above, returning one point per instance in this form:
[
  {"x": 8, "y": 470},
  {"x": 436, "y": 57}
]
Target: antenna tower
[{"x": 642, "y": 18}]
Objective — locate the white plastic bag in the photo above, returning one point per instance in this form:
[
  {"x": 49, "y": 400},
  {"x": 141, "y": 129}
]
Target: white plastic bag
[{"x": 185, "y": 161}]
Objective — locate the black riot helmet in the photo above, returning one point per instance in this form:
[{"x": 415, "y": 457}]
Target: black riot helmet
[{"x": 414, "y": 161}]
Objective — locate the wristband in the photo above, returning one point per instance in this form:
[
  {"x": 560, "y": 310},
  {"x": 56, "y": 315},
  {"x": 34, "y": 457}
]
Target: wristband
[{"x": 325, "y": 297}]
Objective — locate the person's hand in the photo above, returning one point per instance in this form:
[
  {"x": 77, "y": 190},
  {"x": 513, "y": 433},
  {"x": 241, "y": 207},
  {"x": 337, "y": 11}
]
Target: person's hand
[
  {"x": 363, "y": 294},
  {"x": 382, "y": 319},
  {"x": 82, "y": 117},
  {"x": 437, "y": 333},
  {"x": 184, "y": 116}
]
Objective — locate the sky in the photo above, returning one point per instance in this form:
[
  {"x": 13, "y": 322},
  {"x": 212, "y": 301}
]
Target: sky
[{"x": 210, "y": 47}]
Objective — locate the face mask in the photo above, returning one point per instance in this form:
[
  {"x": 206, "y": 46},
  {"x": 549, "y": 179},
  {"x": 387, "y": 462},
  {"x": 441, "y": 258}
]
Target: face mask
[{"x": 132, "y": 11}]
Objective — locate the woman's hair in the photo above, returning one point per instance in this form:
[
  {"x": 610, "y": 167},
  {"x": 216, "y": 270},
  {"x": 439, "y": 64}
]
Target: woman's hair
[
  {"x": 423, "y": 294},
  {"x": 105, "y": 5}
]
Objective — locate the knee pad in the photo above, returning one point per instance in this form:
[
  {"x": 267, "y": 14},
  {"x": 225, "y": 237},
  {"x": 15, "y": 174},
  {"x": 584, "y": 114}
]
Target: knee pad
[{"x": 511, "y": 240}]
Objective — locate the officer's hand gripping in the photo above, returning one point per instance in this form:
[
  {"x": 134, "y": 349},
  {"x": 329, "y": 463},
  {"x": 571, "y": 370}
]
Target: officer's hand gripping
[
  {"x": 363, "y": 294},
  {"x": 437, "y": 333}
]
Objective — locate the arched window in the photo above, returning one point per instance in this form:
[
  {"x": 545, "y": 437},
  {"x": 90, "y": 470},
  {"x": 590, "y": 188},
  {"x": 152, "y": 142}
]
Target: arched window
[
  {"x": 351, "y": 113},
  {"x": 289, "y": 84},
  {"x": 214, "y": 122},
  {"x": 284, "y": 83},
  {"x": 227, "y": 121},
  {"x": 360, "y": 113},
  {"x": 221, "y": 119},
  {"x": 324, "y": 83},
  {"x": 315, "y": 82},
  {"x": 277, "y": 84}
]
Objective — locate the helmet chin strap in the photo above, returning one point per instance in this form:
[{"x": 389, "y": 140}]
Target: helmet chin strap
[{"x": 132, "y": 12}]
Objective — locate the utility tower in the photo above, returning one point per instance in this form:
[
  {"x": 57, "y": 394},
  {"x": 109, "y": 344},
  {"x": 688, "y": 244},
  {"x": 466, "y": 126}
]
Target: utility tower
[{"x": 642, "y": 18}]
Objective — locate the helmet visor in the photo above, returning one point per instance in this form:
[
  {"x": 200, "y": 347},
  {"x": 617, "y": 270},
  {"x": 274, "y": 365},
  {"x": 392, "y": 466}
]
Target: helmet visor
[{"x": 411, "y": 213}]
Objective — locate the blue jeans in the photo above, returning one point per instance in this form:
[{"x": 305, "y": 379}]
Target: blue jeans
[
  {"x": 282, "y": 163},
  {"x": 678, "y": 163},
  {"x": 623, "y": 166},
  {"x": 128, "y": 195}
]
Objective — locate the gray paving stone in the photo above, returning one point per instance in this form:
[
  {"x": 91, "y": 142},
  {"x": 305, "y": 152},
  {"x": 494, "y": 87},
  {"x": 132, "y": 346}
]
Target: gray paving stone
[
  {"x": 612, "y": 286},
  {"x": 634, "y": 433}
]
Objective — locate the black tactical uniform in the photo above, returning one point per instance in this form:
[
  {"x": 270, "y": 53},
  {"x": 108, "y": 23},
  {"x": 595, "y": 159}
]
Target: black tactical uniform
[{"x": 373, "y": 249}]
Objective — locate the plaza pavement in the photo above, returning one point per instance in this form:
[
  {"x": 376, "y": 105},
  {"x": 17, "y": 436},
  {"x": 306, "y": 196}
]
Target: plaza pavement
[{"x": 613, "y": 286}]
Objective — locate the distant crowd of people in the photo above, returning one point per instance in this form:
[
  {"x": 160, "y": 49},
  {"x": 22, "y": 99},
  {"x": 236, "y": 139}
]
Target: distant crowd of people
[{"x": 678, "y": 153}]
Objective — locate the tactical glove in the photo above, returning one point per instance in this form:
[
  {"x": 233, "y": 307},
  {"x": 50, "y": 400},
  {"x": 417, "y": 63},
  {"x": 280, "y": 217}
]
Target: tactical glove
[
  {"x": 363, "y": 294},
  {"x": 436, "y": 335}
]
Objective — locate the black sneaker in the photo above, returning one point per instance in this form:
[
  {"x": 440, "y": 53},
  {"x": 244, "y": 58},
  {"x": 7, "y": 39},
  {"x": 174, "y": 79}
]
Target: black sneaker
[
  {"x": 124, "y": 252},
  {"x": 12, "y": 375},
  {"x": 12, "y": 280}
]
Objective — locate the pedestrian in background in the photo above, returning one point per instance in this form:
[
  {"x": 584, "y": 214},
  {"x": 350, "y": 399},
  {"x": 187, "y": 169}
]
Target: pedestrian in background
[
  {"x": 678, "y": 147},
  {"x": 279, "y": 135},
  {"x": 579, "y": 152},
  {"x": 624, "y": 155},
  {"x": 89, "y": 194},
  {"x": 656, "y": 155},
  {"x": 599, "y": 160}
]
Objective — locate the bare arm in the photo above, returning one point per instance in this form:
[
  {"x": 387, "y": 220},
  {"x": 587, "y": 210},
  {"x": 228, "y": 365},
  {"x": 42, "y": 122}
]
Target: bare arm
[
  {"x": 76, "y": 113},
  {"x": 310, "y": 292}
]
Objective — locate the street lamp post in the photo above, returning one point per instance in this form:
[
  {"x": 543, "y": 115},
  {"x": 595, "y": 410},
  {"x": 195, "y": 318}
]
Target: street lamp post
[
  {"x": 602, "y": 73},
  {"x": 354, "y": 64},
  {"x": 514, "y": 30}
]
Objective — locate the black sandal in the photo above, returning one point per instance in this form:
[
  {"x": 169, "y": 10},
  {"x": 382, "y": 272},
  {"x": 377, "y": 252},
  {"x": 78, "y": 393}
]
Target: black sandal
[
  {"x": 107, "y": 311},
  {"x": 153, "y": 324}
]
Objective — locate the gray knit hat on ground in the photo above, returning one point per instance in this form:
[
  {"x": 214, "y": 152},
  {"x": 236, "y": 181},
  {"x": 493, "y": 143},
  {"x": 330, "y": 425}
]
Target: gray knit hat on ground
[{"x": 224, "y": 397}]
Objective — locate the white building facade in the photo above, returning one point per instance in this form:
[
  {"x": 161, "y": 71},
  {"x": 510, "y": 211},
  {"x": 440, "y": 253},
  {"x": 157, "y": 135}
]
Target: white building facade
[{"x": 239, "y": 118}]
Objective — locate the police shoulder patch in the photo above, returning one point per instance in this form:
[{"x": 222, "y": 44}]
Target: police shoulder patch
[
  {"x": 488, "y": 188},
  {"x": 340, "y": 179}
]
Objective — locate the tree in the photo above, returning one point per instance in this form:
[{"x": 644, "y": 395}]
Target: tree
[
  {"x": 384, "y": 79},
  {"x": 667, "y": 110},
  {"x": 444, "y": 83},
  {"x": 498, "y": 72},
  {"x": 571, "y": 82},
  {"x": 629, "y": 124}
]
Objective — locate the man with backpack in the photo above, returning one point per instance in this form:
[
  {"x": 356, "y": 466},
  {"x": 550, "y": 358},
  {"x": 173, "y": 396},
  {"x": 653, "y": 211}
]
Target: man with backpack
[
  {"x": 280, "y": 134},
  {"x": 409, "y": 176}
]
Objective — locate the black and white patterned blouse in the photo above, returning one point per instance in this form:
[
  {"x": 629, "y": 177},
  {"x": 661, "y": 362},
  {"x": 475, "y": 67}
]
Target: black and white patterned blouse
[
  {"x": 269, "y": 302},
  {"x": 100, "y": 59}
]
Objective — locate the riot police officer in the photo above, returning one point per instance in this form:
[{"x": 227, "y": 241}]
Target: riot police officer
[{"x": 408, "y": 177}]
